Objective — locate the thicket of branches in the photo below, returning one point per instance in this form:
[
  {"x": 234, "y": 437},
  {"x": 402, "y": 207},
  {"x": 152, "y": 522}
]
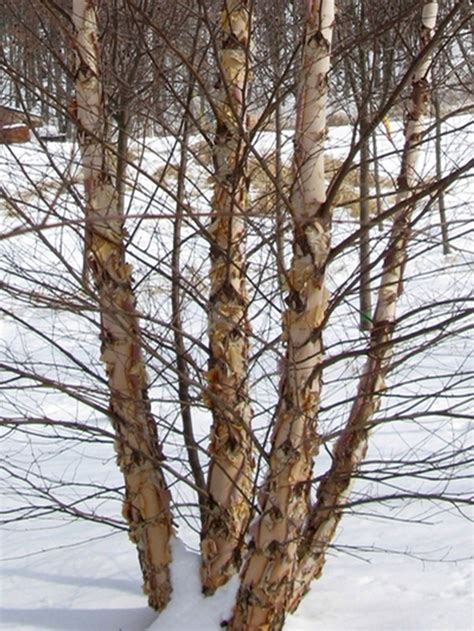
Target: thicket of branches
[{"x": 171, "y": 106}]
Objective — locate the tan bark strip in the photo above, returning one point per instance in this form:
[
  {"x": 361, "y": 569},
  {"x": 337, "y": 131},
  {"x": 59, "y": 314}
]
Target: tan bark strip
[
  {"x": 229, "y": 486},
  {"x": 147, "y": 501},
  {"x": 351, "y": 447},
  {"x": 267, "y": 574}
]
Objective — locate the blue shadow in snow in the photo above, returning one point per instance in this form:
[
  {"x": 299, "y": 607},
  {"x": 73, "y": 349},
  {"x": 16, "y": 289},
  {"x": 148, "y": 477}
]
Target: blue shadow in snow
[{"x": 133, "y": 619}]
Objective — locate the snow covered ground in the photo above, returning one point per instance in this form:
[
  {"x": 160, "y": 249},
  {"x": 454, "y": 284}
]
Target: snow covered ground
[
  {"x": 67, "y": 577},
  {"x": 402, "y": 565}
]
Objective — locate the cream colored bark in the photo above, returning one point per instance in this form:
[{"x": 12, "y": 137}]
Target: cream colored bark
[
  {"x": 147, "y": 501},
  {"x": 267, "y": 575},
  {"x": 351, "y": 447},
  {"x": 227, "y": 510}
]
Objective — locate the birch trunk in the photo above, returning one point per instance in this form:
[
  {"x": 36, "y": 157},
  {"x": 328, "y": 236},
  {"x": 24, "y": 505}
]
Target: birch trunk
[
  {"x": 267, "y": 575},
  {"x": 229, "y": 486},
  {"x": 351, "y": 447},
  {"x": 147, "y": 501}
]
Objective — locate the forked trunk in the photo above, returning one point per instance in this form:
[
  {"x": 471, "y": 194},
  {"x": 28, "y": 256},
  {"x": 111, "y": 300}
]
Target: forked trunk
[
  {"x": 268, "y": 573},
  {"x": 227, "y": 511},
  {"x": 351, "y": 447},
  {"x": 147, "y": 501}
]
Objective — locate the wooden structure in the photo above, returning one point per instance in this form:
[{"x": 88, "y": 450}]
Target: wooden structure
[{"x": 16, "y": 125}]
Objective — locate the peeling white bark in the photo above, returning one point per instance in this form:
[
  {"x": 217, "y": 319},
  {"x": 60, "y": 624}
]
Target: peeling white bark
[
  {"x": 351, "y": 447},
  {"x": 266, "y": 581},
  {"x": 230, "y": 479},
  {"x": 146, "y": 506}
]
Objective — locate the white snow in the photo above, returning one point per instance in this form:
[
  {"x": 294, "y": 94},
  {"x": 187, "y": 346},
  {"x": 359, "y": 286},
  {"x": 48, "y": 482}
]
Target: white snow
[{"x": 405, "y": 566}]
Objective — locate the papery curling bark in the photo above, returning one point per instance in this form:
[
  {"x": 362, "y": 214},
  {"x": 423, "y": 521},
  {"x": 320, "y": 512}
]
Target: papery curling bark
[
  {"x": 267, "y": 575},
  {"x": 227, "y": 510},
  {"x": 147, "y": 501},
  {"x": 351, "y": 447}
]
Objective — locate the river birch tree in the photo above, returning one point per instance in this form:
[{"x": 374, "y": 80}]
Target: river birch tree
[
  {"x": 351, "y": 447},
  {"x": 251, "y": 390},
  {"x": 230, "y": 480},
  {"x": 267, "y": 574},
  {"x": 147, "y": 501}
]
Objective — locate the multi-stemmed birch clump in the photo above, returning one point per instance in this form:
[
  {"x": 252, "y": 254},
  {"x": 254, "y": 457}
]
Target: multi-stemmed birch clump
[{"x": 263, "y": 514}]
